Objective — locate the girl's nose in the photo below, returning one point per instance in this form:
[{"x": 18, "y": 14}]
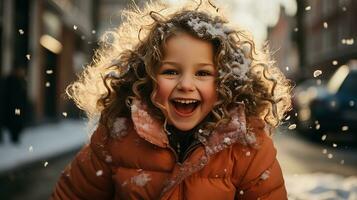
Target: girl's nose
[{"x": 186, "y": 84}]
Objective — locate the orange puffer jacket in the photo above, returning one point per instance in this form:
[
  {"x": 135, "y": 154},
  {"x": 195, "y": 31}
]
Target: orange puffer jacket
[{"x": 135, "y": 161}]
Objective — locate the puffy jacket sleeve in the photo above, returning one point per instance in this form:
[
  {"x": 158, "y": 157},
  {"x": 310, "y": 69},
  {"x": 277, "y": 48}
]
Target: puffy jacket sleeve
[
  {"x": 88, "y": 176},
  {"x": 257, "y": 173}
]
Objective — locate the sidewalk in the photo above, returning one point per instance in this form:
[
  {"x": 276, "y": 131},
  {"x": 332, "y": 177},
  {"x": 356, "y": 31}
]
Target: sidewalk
[{"x": 41, "y": 143}]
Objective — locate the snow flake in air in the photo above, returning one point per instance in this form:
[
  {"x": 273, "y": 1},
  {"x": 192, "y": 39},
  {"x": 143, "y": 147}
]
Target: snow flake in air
[
  {"x": 344, "y": 128},
  {"x": 99, "y": 173},
  {"x": 47, "y": 84},
  {"x": 335, "y": 62},
  {"x": 28, "y": 56},
  {"x": 323, "y": 138},
  {"x": 317, "y": 126},
  {"x": 330, "y": 156},
  {"x": 49, "y": 71},
  {"x": 307, "y": 8},
  {"x": 64, "y": 114},
  {"x": 17, "y": 111},
  {"x": 351, "y": 103},
  {"x": 21, "y": 31},
  {"x": 75, "y": 27},
  {"x": 325, "y": 25},
  {"x": 45, "y": 164},
  {"x": 31, "y": 148},
  {"x": 317, "y": 73},
  {"x": 292, "y": 127}
]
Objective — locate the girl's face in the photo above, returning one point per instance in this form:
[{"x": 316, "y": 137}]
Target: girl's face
[{"x": 186, "y": 81}]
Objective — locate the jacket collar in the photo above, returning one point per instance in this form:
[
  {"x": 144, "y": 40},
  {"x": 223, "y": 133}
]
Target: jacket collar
[
  {"x": 146, "y": 126},
  {"x": 153, "y": 131}
]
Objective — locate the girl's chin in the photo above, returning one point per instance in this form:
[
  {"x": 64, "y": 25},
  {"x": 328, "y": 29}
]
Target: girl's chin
[{"x": 183, "y": 127}]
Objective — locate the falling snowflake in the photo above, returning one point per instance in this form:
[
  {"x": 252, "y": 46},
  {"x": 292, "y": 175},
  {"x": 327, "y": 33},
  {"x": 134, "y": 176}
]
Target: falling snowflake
[
  {"x": 247, "y": 153},
  {"x": 94, "y": 32},
  {"x": 99, "y": 173},
  {"x": 325, "y": 25},
  {"x": 317, "y": 126},
  {"x": 333, "y": 103},
  {"x": 49, "y": 71},
  {"x": 307, "y": 8},
  {"x": 351, "y": 103},
  {"x": 335, "y": 62},
  {"x": 344, "y": 128},
  {"x": 317, "y": 73},
  {"x": 64, "y": 114},
  {"x": 48, "y": 84},
  {"x": 75, "y": 27},
  {"x": 324, "y": 151},
  {"x": 292, "y": 127},
  {"x": 287, "y": 68},
  {"x": 330, "y": 156},
  {"x": 334, "y": 145},
  {"x": 31, "y": 148},
  {"x": 21, "y": 31},
  {"x": 241, "y": 192},
  {"x": 296, "y": 29},
  {"x": 17, "y": 111},
  {"x": 323, "y": 138},
  {"x": 45, "y": 164},
  {"x": 342, "y": 162},
  {"x": 28, "y": 56},
  {"x": 141, "y": 179},
  {"x": 287, "y": 118}
]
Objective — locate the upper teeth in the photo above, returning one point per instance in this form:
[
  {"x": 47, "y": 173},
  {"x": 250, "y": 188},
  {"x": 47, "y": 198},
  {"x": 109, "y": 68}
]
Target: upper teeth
[{"x": 185, "y": 101}]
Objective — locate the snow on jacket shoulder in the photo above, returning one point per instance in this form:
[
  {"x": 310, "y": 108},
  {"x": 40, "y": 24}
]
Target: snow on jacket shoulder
[{"x": 236, "y": 162}]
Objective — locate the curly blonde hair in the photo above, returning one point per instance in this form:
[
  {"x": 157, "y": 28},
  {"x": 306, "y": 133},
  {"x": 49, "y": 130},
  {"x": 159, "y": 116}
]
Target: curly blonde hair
[{"x": 125, "y": 66}]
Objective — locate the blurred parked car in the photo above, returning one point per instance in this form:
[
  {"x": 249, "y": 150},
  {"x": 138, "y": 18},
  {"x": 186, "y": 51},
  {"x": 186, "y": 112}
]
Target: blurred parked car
[{"x": 329, "y": 111}]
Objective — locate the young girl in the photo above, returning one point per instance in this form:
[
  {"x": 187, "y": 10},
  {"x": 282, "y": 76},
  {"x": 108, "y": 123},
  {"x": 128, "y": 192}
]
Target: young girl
[{"x": 186, "y": 103}]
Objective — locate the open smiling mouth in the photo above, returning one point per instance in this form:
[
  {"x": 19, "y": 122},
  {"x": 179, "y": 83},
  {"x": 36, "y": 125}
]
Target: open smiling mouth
[{"x": 185, "y": 107}]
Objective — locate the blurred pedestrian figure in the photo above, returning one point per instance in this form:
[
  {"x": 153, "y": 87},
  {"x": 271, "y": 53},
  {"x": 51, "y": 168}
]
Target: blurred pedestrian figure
[{"x": 15, "y": 103}]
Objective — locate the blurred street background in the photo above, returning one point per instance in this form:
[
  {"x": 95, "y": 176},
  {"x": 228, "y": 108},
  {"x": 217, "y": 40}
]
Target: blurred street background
[{"x": 45, "y": 43}]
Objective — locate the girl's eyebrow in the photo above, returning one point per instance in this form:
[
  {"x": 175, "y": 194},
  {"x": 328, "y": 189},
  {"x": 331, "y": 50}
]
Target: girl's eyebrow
[{"x": 179, "y": 64}]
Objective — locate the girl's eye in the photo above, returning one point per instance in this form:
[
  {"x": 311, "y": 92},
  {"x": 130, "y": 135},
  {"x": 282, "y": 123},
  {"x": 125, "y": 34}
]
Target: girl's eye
[
  {"x": 169, "y": 72},
  {"x": 204, "y": 73}
]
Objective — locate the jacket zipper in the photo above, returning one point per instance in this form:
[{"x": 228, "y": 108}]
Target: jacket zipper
[{"x": 190, "y": 149}]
